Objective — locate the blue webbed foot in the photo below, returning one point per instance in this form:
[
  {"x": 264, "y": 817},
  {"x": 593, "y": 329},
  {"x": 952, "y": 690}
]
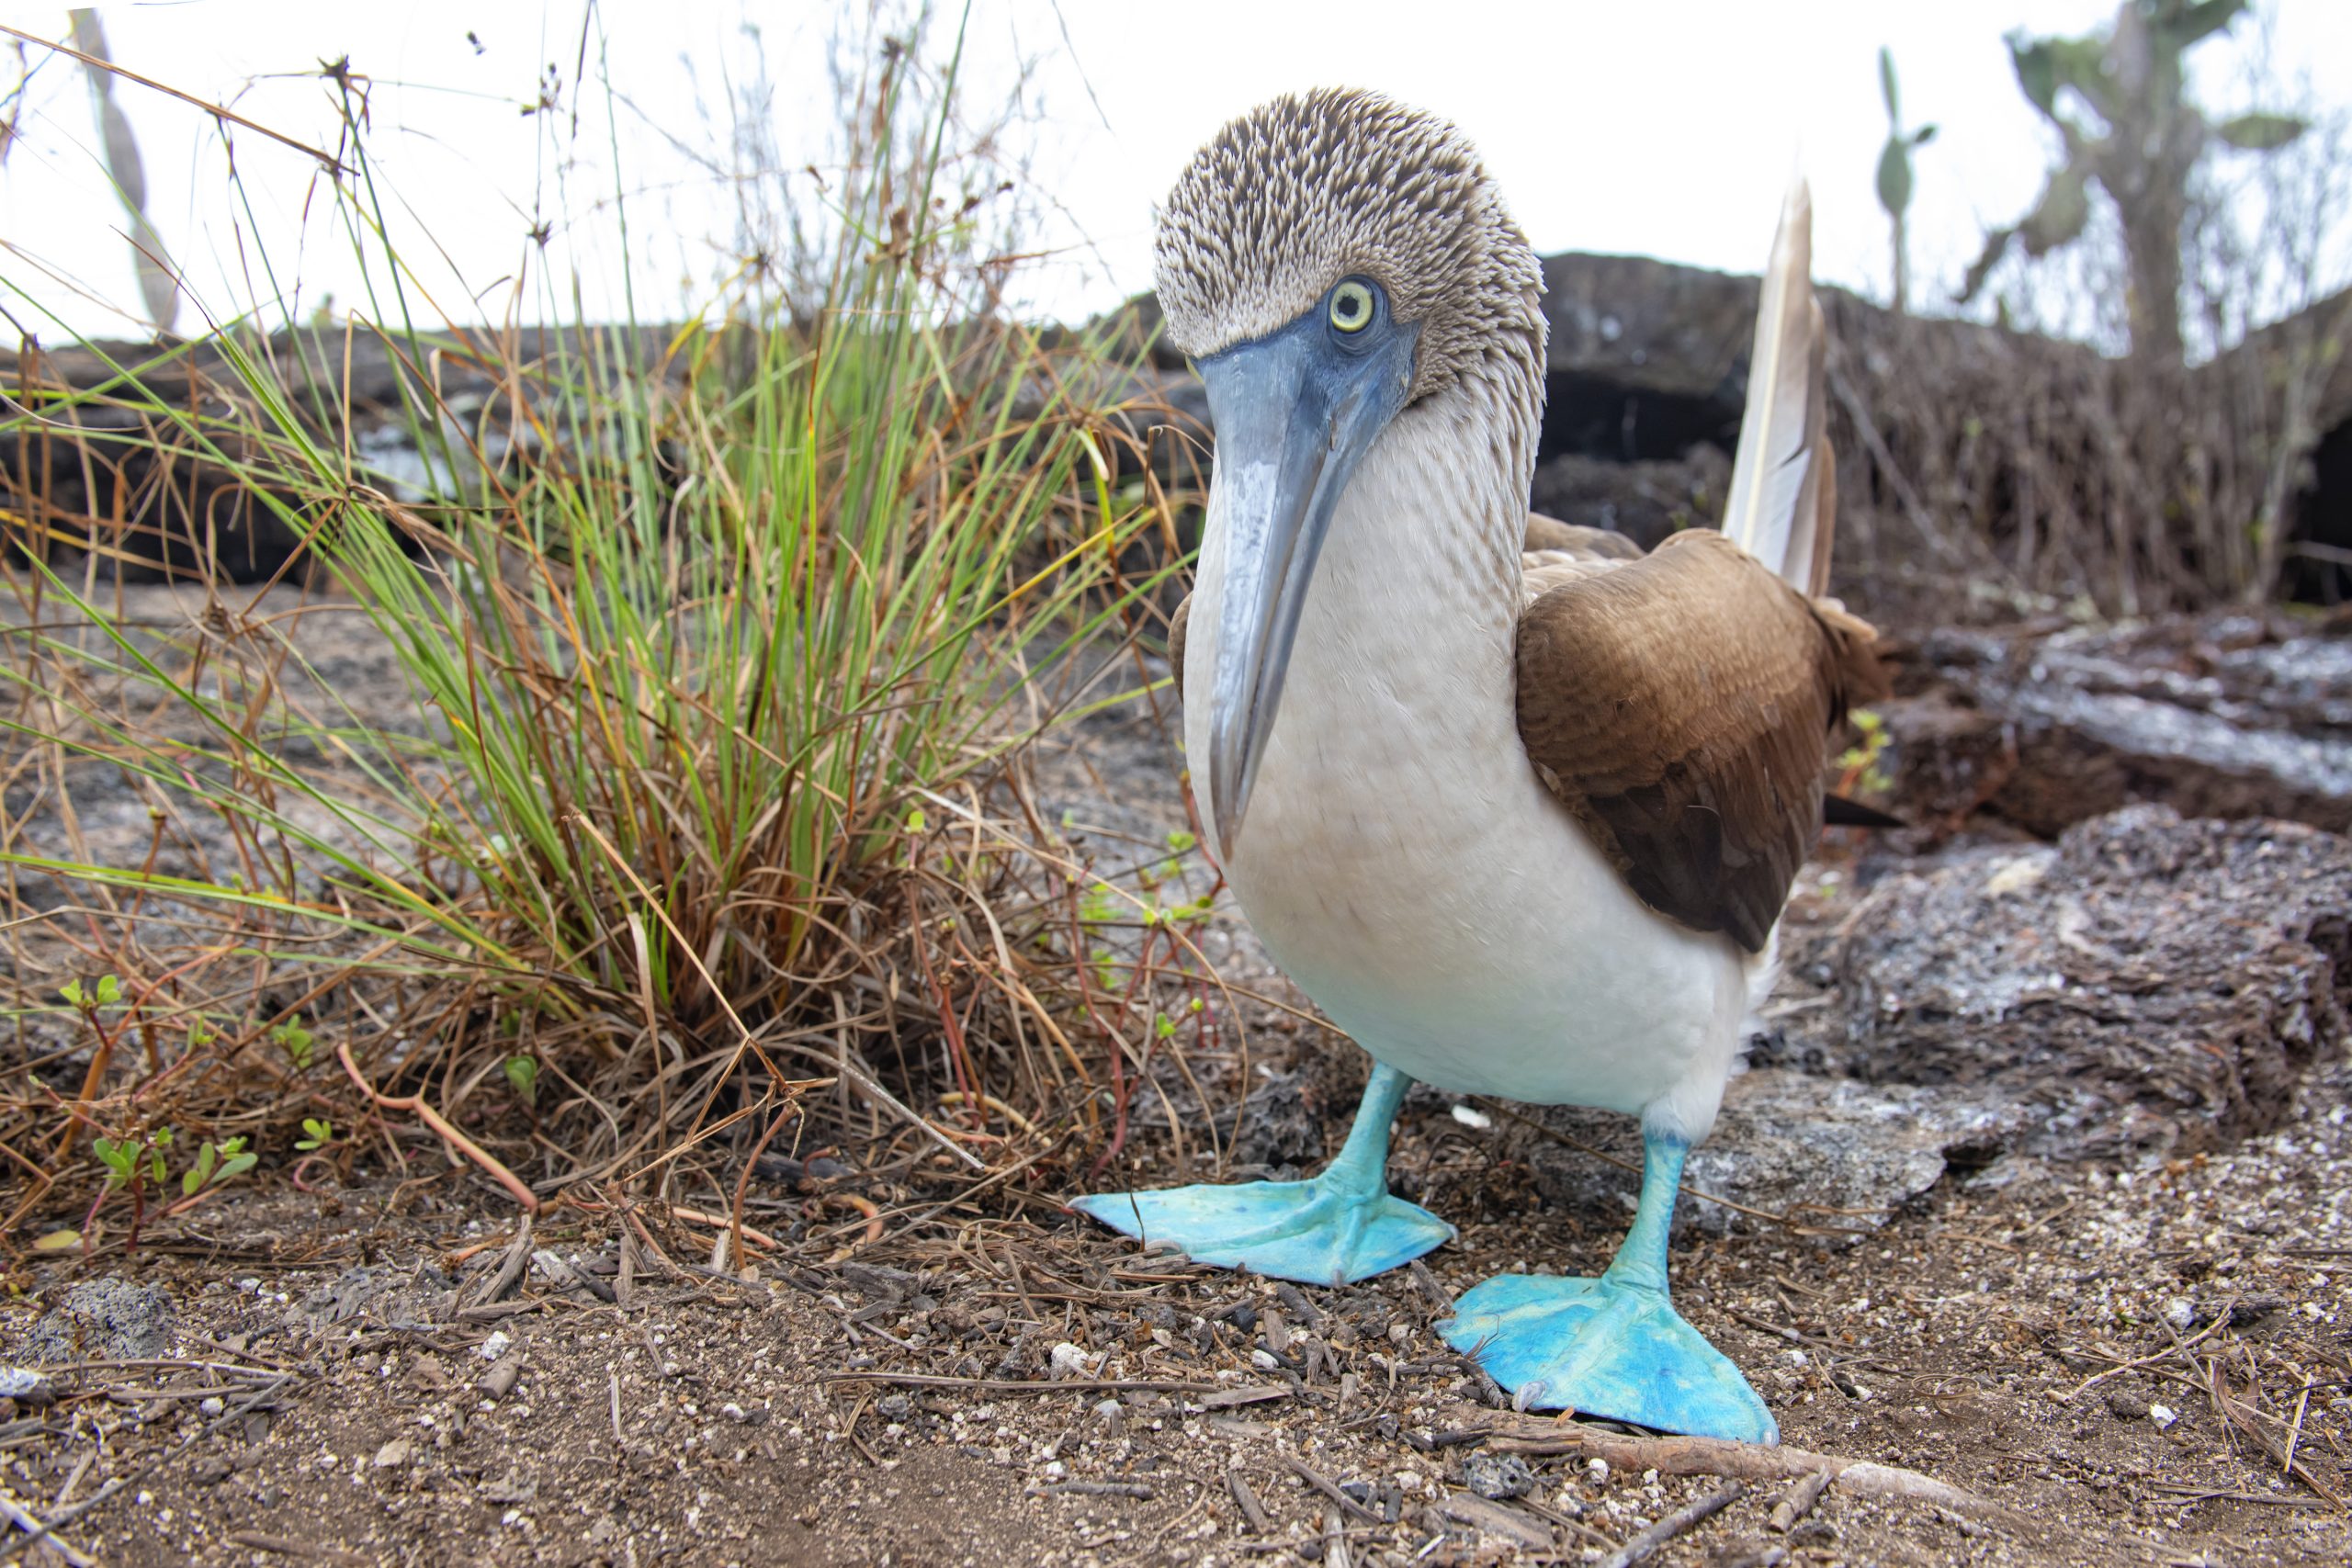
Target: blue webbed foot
[
  {"x": 1334, "y": 1229},
  {"x": 1615, "y": 1346},
  {"x": 1606, "y": 1348},
  {"x": 1319, "y": 1232}
]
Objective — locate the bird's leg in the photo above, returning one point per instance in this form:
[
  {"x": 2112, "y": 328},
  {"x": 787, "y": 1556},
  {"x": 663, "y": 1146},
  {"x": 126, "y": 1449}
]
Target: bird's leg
[
  {"x": 1640, "y": 1263},
  {"x": 1336, "y": 1227},
  {"x": 1615, "y": 1346}
]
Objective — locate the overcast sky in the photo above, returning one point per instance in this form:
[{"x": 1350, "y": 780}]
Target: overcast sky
[{"x": 1666, "y": 129}]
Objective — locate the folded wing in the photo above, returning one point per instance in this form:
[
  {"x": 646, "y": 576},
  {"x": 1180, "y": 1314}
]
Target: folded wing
[{"x": 1676, "y": 703}]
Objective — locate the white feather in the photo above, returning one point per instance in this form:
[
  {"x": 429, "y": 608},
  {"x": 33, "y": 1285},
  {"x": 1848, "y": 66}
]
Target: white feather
[{"x": 1776, "y": 513}]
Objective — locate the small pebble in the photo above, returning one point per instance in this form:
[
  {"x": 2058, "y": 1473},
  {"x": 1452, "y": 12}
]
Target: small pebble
[
  {"x": 492, "y": 1347},
  {"x": 2162, "y": 1415},
  {"x": 2128, "y": 1405}
]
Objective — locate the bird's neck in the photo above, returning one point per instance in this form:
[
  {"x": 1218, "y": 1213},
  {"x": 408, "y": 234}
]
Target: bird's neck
[
  {"x": 1403, "y": 661},
  {"x": 1424, "y": 548}
]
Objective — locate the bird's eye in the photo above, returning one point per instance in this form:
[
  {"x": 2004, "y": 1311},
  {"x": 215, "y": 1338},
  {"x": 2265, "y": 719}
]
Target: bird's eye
[{"x": 1351, "y": 305}]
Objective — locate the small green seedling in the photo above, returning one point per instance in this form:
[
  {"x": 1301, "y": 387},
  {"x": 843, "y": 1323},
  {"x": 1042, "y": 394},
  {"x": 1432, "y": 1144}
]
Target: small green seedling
[
  {"x": 105, "y": 994},
  {"x": 522, "y": 1076},
  {"x": 317, "y": 1134},
  {"x": 295, "y": 1041},
  {"x": 217, "y": 1166}
]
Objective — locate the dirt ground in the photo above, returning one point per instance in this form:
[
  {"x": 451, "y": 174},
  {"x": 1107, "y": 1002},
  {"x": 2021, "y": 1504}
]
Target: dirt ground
[
  {"x": 2062, "y": 1349},
  {"x": 2121, "y": 1362}
]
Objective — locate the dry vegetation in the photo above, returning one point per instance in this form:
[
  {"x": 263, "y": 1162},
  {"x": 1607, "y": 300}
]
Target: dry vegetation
[{"x": 707, "y": 790}]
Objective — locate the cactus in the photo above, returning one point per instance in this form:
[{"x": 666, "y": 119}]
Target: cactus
[
  {"x": 1894, "y": 173},
  {"x": 2129, "y": 74}
]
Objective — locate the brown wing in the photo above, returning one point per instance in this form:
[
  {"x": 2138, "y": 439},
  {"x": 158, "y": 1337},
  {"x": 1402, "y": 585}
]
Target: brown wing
[{"x": 1677, "y": 705}]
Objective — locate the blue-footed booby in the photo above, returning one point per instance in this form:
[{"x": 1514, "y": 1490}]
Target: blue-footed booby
[{"x": 1520, "y": 819}]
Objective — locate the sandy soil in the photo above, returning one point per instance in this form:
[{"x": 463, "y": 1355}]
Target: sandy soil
[{"x": 2063, "y": 1348}]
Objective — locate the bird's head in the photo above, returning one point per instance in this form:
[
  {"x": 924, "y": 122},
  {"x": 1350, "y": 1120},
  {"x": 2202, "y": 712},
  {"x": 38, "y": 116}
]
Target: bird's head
[{"x": 1328, "y": 260}]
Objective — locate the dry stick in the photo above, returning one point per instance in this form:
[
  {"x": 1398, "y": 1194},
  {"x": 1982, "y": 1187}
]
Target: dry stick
[
  {"x": 722, "y": 1222},
  {"x": 33, "y": 1527},
  {"x": 1330, "y": 1488},
  {"x": 415, "y": 1105},
  {"x": 1643, "y": 1547},
  {"x": 1797, "y": 1502},
  {"x": 743, "y": 1181},
  {"x": 1744, "y": 1462},
  {"x": 1247, "y": 1501},
  {"x": 510, "y": 1268}
]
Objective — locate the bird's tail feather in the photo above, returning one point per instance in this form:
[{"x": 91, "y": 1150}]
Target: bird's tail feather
[{"x": 1783, "y": 478}]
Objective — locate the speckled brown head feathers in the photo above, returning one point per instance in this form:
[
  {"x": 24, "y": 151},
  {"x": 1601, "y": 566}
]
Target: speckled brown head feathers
[{"x": 1303, "y": 191}]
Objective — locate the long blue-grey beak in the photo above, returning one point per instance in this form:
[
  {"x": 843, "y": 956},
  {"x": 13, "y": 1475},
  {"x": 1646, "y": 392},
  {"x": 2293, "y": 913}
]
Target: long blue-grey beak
[{"x": 1295, "y": 413}]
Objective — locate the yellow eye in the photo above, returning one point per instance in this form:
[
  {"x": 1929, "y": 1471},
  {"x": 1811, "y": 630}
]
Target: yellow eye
[{"x": 1351, "y": 307}]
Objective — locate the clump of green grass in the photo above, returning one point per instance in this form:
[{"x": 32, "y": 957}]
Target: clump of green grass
[{"x": 722, "y": 663}]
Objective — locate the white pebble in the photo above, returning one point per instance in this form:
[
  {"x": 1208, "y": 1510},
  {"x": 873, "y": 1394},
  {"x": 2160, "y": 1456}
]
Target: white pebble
[
  {"x": 2162, "y": 1415},
  {"x": 495, "y": 1346},
  {"x": 1069, "y": 1361}
]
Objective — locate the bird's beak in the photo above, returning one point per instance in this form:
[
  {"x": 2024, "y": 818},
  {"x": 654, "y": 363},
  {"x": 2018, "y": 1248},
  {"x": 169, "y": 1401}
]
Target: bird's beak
[{"x": 1295, "y": 413}]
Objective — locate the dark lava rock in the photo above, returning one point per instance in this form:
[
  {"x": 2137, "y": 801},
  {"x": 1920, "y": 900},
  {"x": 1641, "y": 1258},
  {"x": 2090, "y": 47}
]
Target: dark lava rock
[
  {"x": 1643, "y": 501},
  {"x": 2221, "y": 716},
  {"x": 2149, "y": 987},
  {"x": 1833, "y": 1155},
  {"x": 103, "y": 1320},
  {"x": 1497, "y": 1477},
  {"x": 1276, "y": 1128}
]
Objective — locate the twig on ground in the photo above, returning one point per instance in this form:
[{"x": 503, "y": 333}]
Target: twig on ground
[
  {"x": 1643, "y": 1547},
  {"x": 1328, "y": 1487},
  {"x": 1247, "y": 1501},
  {"x": 1743, "y": 1461},
  {"x": 39, "y": 1531},
  {"x": 704, "y": 1217},
  {"x": 1482, "y": 1513},
  {"x": 1798, "y": 1501},
  {"x": 415, "y": 1105}
]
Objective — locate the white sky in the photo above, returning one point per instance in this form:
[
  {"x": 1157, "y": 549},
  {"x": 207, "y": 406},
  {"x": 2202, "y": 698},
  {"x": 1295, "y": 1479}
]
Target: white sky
[{"x": 1666, "y": 128}]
